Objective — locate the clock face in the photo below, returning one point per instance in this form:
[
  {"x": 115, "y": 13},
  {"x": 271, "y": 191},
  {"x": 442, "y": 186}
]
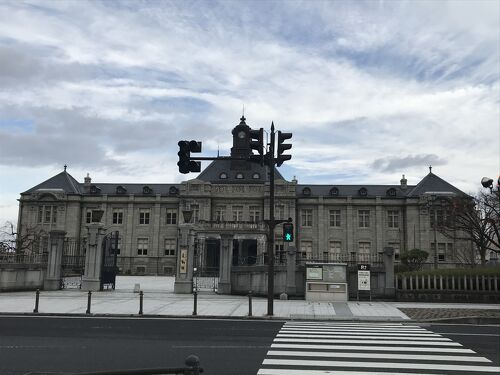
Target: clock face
[{"x": 242, "y": 134}]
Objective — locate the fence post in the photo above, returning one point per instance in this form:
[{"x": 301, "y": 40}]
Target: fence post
[
  {"x": 89, "y": 301},
  {"x": 195, "y": 308},
  {"x": 141, "y": 296},
  {"x": 250, "y": 303},
  {"x": 37, "y": 299},
  {"x": 193, "y": 362}
]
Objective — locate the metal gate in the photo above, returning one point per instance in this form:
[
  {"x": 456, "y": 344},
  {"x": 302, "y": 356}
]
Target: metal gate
[
  {"x": 206, "y": 265},
  {"x": 73, "y": 263},
  {"x": 109, "y": 268}
]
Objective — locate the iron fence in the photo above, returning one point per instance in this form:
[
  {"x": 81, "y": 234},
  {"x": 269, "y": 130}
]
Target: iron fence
[
  {"x": 7, "y": 260},
  {"x": 350, "y": 259}
]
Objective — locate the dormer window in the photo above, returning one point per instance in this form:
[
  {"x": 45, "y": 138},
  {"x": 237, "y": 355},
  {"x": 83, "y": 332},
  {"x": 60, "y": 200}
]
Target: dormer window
[
  {"x": 239, "y": 176},
  {"x": 120, "y": 190},
  {"x": 146, "y": 190},
  {"x": 223, "y": 176},
  {"x": 306, "y": 191},
  {"x": 334, "y": 192},
  {"x": 391, "y": 192},
  {"x": 94, "y": 189},
  {"x": 256, "y": 176},
  {"x": 363, "y": 192},
  {"x": 173, "y": 190}
]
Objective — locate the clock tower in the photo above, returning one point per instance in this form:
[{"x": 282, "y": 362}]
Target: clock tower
[{"x": 241, "y": 145}]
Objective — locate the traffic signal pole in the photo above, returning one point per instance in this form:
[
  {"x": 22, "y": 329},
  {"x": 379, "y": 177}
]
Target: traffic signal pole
[{"x": 270, "y": 242}]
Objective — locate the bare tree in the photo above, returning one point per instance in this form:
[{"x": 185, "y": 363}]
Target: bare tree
[
  {"x": 473, "y": 219},
  {"x": 12, "y": 242}
]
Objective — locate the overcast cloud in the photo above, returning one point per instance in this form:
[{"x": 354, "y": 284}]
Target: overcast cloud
[{"x": 370, "y": 89}]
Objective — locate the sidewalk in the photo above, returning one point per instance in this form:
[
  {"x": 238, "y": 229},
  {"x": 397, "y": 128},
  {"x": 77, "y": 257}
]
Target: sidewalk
[{"x": 159, "y": 300}]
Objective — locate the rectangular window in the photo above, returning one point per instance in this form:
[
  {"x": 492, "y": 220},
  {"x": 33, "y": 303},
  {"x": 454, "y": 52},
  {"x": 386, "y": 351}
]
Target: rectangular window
[
  {"x": 237, "y": 213},
  {"x": 306, "y": 217},
  {"x": 54, "y": 214},
  {"x": 393, "y": 219},
  {"x": 254, "y": 214},
  {"x": 196, "y": 212},
  {"x": 170, "y": 245},
  {"x": 364, "y": 248},
  {"x": 364, "y": 218},
  {"x": 335, "y": 218},
  {"x": 88, "y": 216},
  {"x": 279, "y": 251},
  {"x": 117, "y": 216},
  {"x": 47, "y": 214},
  {"x": 142, "y": 246},
  {"x": 306, "y": 249},
  {"x": 40, "y": 214},
  {"x": 171, "y": 216},
  {"x": 279, "y": 211},
  {"x": 397, "y": 251},
  {"x": 220, "y": 213},
  {"x": 441, "y": 252},
  {"x": 116, "y": 246},
  {"x": 144, "y": 216},
  {"x": 335, "y": 251}
]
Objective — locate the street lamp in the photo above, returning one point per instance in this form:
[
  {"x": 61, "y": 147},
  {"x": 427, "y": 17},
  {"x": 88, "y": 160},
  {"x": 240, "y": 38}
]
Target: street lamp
[{"x": 488, "y": 183}]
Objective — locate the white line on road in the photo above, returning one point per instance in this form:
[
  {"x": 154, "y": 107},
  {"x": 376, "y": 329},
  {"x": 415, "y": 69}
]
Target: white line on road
[
  {"x": 417, "y": 357},
  {"x": 417, "y": 366},
  {"x": 341, "y": 336},
  {"x": 276, "y": 371},
  {"x": 357, "y": 329},
  {"x": 374, "y": 348},
  {"x": 384, "y": 342},
  {"x": 385, "y": 333}
]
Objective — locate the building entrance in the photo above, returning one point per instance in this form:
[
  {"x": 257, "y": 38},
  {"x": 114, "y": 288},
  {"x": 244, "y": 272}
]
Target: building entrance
[{"x": 207, "y": 265}]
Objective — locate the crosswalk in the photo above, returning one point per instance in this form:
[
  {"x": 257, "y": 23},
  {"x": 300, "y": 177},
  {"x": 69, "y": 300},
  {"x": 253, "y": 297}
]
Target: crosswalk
[{"x": 318, "y": 348}]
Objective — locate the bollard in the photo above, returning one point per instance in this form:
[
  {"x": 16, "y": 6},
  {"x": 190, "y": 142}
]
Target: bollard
[
  {"x": 141, "y": 296},
  {"x": 37, "y": 299},
  {"x": 195, "y": 308},
  {"x": 89, "y": 300},
  {"x": 250, "y": 303},
  {"x": 193, "y": 362}
]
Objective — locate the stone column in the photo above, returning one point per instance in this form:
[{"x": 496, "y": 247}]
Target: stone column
[
  {"x": 388, "y": 256},
  {"x": 291, "y": 287},
  {"x": 261, "y": 248},
  {"x": 93, "y": 258},
  {"x": 185, "y": 259},
  {"x": 225, "y": 264},
  {"x": 53, "y": 277}
]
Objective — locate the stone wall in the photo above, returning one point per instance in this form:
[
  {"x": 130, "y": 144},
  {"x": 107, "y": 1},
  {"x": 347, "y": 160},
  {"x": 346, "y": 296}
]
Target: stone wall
[{"x": 21, "y": 277}]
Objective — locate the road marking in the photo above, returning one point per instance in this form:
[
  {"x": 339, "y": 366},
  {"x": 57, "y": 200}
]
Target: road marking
[
  {"x": 390, "y": 342},
  {"x": 361, "y": 329},
  {"x": 341, "y": 336},
  {"x": 339, "y": 324},
  {"x": 456, "y": 358},
  {"x": 374, "y": 348},
  {"x": 417, "y": 366},
  {"x": 276, "y": 371},
  {"x": 470, "y": 334},
  {"x": 419, "y": 334}
]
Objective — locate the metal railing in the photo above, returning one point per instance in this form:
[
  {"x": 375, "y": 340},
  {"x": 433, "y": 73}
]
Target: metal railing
[
  {"x": 23, "y": 259},
  {"x": 350, "y": 259}
]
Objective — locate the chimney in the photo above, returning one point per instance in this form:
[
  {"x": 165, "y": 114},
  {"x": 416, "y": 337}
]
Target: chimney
[
  {"x": 86, "y": 183},
  {"x": 404, "y": 183}
]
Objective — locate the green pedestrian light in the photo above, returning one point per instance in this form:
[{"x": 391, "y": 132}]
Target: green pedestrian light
[{"x": 288, "y": 232}]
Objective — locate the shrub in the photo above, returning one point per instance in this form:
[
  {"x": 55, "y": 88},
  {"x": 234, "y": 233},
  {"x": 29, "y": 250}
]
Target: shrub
[{"x": 414, "y": 259}]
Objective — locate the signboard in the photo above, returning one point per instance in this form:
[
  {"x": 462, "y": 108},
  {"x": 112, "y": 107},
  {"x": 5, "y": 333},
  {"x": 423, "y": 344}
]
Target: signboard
[
  {"x": 363, "y": 277},
  {"x": 334, "y": 273},
  {"x": 184, "y": 260},
  {"x": 314, "y": 273}
]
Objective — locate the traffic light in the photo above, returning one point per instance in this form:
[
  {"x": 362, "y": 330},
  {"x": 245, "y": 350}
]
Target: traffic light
[
  {"x": 185, "y": 163},
  {"x": 282, "y": 137},
  {"x": 257, "y": 143},
  {"x": 288, "y": 232}
]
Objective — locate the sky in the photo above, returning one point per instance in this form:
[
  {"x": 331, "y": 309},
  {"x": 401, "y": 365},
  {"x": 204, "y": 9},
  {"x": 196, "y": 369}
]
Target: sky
[{"x": 371, "y": 90}]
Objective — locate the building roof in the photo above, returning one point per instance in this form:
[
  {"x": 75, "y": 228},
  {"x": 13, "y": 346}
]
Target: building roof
[
  {"x": 256, "y": 174},
  {"x": 390, "y": 191},
  {"x": 62, "y": 181},
  {"x": 434, "y": 184}
]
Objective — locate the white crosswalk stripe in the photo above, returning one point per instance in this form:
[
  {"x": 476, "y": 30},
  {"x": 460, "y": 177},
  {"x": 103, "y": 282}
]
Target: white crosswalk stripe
[{"x": 318, "y": 348}]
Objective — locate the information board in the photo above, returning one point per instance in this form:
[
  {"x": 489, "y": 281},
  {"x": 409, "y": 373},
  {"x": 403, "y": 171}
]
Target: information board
[
  {"x": 363, "y": 277},
  {"x": 314, "y": 273},
  {"x": 334, "y": 273}
]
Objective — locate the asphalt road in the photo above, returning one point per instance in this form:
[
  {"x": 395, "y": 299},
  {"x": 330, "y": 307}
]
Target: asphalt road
[
  {"x": 77, "y": 344},
  {"x": 55, "y": 344}
]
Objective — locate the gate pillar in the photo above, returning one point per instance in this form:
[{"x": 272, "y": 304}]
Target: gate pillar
[
  {"x": 226, "y": 259},
  {"x": 185, "y": 261},
  {"x": 388, "y": 255},
  {"x": 93, "y": 258},
  {"x": 53, "y": 277}
]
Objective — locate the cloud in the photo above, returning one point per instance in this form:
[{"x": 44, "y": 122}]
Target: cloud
[{"x": 400, "y": 164}]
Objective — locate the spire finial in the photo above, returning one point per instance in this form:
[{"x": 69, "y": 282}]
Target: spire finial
[
  {"x": 243, "y": 111},
  {"x": 65, "y": 166},
  {"x": 430, "y": 168},
  {"x": 272, "y": 126}
]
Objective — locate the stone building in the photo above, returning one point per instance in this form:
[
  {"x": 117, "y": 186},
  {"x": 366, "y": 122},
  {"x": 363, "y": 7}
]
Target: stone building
[{"x": 228, "y": 201}]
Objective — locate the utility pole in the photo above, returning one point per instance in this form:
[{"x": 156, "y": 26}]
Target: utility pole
[{"x": 270, "y": 242}]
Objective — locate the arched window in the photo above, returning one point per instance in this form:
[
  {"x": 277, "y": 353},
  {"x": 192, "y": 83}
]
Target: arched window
[
  {"x": 306, "y": 191},
  {"x": 256, "y": 176},
  {"x": 334, "y": 192},
  {"x": 363, "y": 192},
  {"x": 223, "y": 176},
  {"x": 391, "y": 192},
  {"x": 146, "y": 190},
  {"x": 173, "y": 190},
  {"x": 120, "y": 190},
  {"x": 239, "y": 176},
  {"x": 94, "y": 190}
]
